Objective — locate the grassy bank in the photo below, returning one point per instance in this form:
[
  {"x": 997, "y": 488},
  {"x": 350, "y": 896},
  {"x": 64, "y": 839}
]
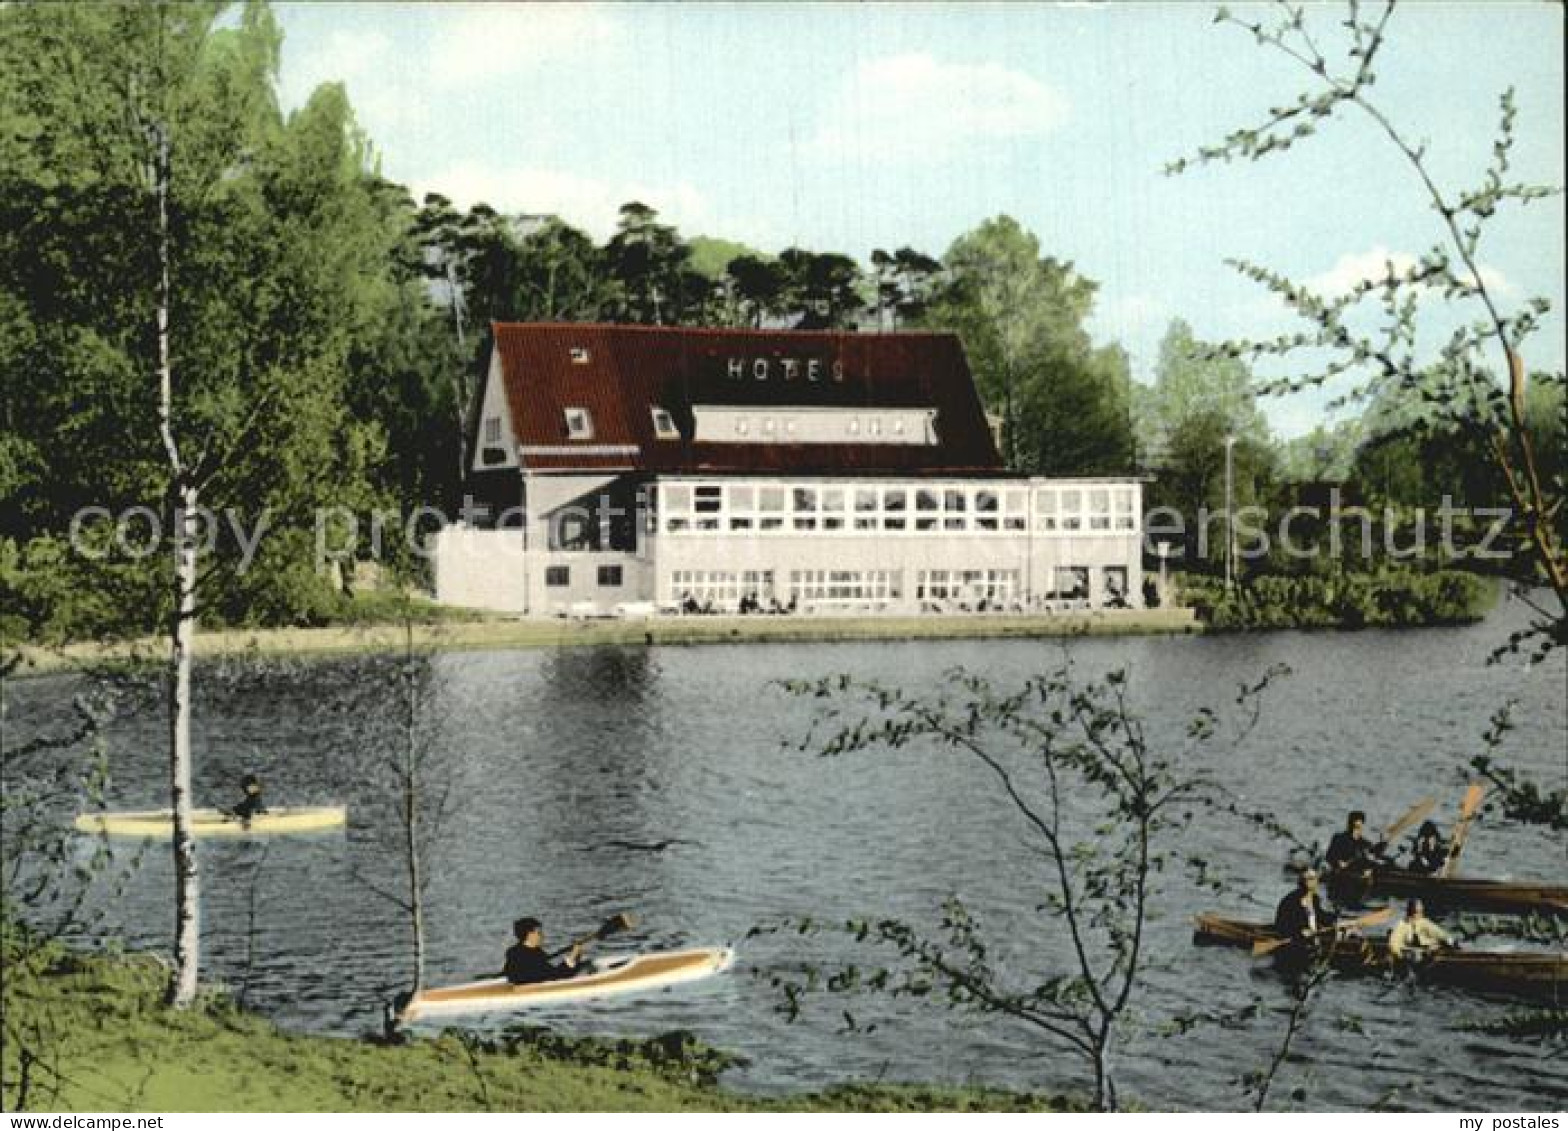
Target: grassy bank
[
  {"x": 96, "y": 1038},
  {"x": 495, "y": 632}
]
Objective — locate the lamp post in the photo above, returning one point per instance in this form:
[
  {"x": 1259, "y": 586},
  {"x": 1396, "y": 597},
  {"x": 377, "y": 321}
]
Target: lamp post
[{"x": 1230, "y": 513}]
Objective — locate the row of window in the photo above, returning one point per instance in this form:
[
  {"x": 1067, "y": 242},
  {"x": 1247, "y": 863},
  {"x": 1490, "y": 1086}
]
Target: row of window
[
  {"x": 966, "y": 584},
  {"x": 728, "y": 587},
  {"x": 579, "y": 424},
  {"x": 854, "y": 427},
  {"x": 715, "y": 507},
  {"x": 846, "y": 585},
  {"x": 1066, "y": 508},
  {"x": 992, "y": 586},
  {"x": 720, "y": 587},
  {"x": 559, "y": 576}
]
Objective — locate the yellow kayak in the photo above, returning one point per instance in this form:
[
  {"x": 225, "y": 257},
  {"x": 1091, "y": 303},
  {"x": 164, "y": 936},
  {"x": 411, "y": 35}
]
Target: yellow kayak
[
  {"x": 215, "y": 822},
  {"x": 608, "y": 977}
]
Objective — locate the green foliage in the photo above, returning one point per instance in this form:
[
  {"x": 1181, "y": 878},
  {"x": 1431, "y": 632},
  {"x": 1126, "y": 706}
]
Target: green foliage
[
  {"x": 282, "y": 281},
  {"x": 1387, "y": 599},
  {"x": 1064, "y": 405},
  {"x": 1475, "y": 384},
  {"x": 652, "y": 280},
  {"x": 1100, "y": 807},
  {"x": 676, "y": 1055},
  {"x": 117, "y": 1047},
  {"x": 906, "y": 281},
  {"x": 711, "y": 255}
]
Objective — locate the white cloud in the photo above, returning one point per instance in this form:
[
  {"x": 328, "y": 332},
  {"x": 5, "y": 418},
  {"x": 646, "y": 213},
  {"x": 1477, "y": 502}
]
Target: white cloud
[
  {"x": 905, "y": 107},
  {"x": 341, "y": 57},
  {"x": 589, "y": 203},
  {"x": 1357, "y": 267},
  {"x": 363, "y": 61},
  {"x": 1129, "y": 313},
  {"x": 480, "y": 42}
]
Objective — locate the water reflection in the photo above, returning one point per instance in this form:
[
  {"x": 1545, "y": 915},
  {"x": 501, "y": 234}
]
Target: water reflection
[{"x": 662, "y": 781}]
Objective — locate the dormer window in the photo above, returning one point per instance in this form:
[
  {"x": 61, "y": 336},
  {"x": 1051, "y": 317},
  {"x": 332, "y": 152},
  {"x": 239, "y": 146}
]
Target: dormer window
[
  {"x": 579, "y": 355},
  {"x": 579, "y": 425},
  {"x": 664, "y": 425}
]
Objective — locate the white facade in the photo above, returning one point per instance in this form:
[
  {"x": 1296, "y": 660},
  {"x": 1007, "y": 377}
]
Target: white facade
[{"x": 596, "y": 544}]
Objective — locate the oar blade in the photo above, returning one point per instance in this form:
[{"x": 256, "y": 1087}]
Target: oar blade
[{"x": 1417, "y": 812}]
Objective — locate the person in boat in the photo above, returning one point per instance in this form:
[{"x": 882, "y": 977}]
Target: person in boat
[
  {"x": 526, "y": 961},
  {"x": 1301, "y": 916},
  {"x": 1430, "y": 852},
  {"x": 1416, "y": 936},
  {"x": 1350, "y": 854},
  {"x": 251, "y": 805}
]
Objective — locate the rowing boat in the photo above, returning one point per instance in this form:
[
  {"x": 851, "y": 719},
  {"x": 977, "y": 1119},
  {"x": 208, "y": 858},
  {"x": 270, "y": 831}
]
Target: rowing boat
[
  {"x": 215, "y": 822},
  {"x": 1465, "y": 894},
  {"x": 627, "y": 974},
  {"x": 1532, "y": 974}
]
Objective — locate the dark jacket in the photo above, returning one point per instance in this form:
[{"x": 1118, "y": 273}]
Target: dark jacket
[
  {"x": 250, "y": 807},
  {"x": 1348, "y": 853},
  {"x": 1291, "y": 919},
  {"x": 528, "y": 964},
  {"x": 1428, "y": 857}
]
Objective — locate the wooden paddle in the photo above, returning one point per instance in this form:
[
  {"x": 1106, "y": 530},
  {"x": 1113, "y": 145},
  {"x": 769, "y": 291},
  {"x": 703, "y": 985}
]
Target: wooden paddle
[
  {"x": 1417, "y": 811},
  {"x": 621, "y": 921},
  {"x": 1370, "y": 919},
  {"x": 1467, "y": 811}
]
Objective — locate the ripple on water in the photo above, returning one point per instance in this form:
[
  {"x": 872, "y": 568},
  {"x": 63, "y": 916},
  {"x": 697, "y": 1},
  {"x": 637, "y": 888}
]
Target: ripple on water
[{"x": 663, "y": 781}]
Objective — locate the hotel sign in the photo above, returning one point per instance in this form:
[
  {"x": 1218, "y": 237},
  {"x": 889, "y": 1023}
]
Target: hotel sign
[{"x": 811, "y": 369}]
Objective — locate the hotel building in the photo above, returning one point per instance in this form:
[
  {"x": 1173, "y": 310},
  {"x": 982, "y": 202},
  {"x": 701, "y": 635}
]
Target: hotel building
[{"x": 631, "y": 469}]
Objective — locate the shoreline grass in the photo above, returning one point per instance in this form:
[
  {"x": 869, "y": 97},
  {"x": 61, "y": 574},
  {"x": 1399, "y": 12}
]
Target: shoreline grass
[
  {"x": 497, "y": 632},
  {"x": 95, "y": 1037}
]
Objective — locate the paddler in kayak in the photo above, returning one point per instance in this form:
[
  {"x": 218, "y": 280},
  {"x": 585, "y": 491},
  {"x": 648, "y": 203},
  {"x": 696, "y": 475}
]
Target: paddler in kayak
[
  {"x": 251, "y": 805},
  {"x": 1351, "y": 856},
  {"x": 526, "y": 961},
  {"x": 1417, "y": 937},
  {"x": 1430, "y": 852},
  {"x": 1301, "y": 916}
]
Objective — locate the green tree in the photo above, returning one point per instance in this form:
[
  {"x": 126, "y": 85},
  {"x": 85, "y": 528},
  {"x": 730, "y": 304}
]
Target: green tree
[
  {"x": 186, "y": 277},
  {"x": 905, "y": 282},
  {"x": 1065, "y": 405},
  {"x": 1477, "y": 380},
  {"x": 1100, "y": 807},
  {"x": 652, "y": 278},
  {"x": 822, "y": 290},
  {"x": 561, "y": 276},
  {"x": 1197, "y": 405},
  {"x": 756, "y": 286}
]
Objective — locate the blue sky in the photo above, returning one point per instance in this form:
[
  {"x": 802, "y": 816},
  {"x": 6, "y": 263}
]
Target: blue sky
[{"x": 850, "y": 127}]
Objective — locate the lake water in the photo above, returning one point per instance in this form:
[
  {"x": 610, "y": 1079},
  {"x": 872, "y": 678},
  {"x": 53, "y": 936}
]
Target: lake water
[{"x": 664, "y": 781}]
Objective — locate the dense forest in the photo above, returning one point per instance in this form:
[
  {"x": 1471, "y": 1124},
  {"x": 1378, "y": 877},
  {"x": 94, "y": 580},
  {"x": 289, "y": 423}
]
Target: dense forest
[{"x": 326, "y": 330}]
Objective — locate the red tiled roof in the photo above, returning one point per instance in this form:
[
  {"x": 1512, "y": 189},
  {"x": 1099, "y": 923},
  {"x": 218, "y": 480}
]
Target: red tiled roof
[{"x": 631, "y": 369}]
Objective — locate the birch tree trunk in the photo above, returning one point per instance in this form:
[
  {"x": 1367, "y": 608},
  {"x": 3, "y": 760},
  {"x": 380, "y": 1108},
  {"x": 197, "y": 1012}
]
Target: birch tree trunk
[
  {"x": 411, "y": 786},
  {"x": 183, "y": 497},
  {"x": 187, "y": 901}
]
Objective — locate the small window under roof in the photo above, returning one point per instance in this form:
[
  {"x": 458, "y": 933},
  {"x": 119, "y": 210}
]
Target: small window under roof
[
  {"x": 579, "y": 425},
  {"x": 579, "y": 355},
  {"x": 664, "y": 424}
]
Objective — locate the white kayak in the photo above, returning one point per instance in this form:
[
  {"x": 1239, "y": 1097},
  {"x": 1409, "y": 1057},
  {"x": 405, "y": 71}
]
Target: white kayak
[
  {"x": 628, "y": 974},
  {"x": 215, "y": 822}
]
